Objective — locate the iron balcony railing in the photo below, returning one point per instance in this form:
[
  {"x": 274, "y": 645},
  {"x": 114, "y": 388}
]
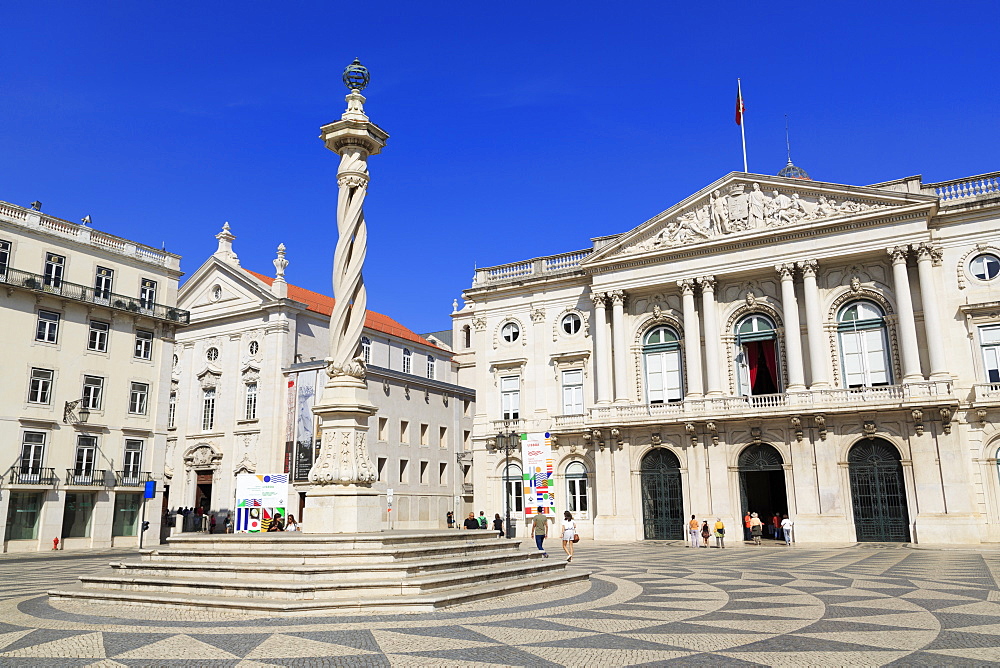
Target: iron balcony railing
[
  {"x": 31, "y": 475},
  {"x": 87, "y": 295},
  {"x": 86, "y": 478},
  {"x": 132, "y": 478}
]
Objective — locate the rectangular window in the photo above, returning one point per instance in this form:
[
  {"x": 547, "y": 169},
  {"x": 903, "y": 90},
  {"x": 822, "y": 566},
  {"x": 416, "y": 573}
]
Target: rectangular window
[
  {"x": 430, "y": 367},
  {"x": 404, "y": 431},
  {"x": 54, "y": 265},
  {"x": 23, "y": 513},
  {"x": 402, "y": 469},
  {"x": 40, "y": 389},
  {"x": 77, "y": 515},
  {"x": 442, "y": 473},
  {"x": 126, "y": 516},
  {"x": 383, "y": 429},
  {"x": 366, "y": 350},
  {"x": 93, "y": 391},
  {"x": 98, "y": 338},
  {"x": 32, "y": 455},
  {"x": 86, "y": 455},
  {"x": 102, "y": 283},
  {"x": 572, "y": 387},
  {"x": 576, "y": 489},
  {"x": 407, "y": 362},
  {"x": 48, "y": 327},
  {"x": 208, "y": 410},
  {"x": 137, "y": 398},
  {"x": 143, "y": 344},
  {"x": 250, "y": 412},
  {"x": 4, "y": 257},
  {"x": 147, "y": 293},
  {"x": 510, "y": 397},
  {"x": 443, "y": 437},
  {"x": 132, "y": 460},
  {"x": 466, "y": 405},
  {"x": 423, "y": 434},
  {"x": 172, "y": 411},
  {"x": 663, "y": 377},
  {"x": 989, "y": 339},
  {"x": 423, "y": 472},
  {"x": 380, "y": 467},
  {"x": 466, "y": 435}
]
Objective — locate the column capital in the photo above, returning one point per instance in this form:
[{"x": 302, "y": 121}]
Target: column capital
[
  {"x": 617, "y": 296},
  {"x": 898, "y": 254},
  {"x": 930, "y": 252},
  {"x": 600, "y": 299},
  {"x": 809, "y": 268},
  {"x": 686, "y": 286},
  {"x": 785, "y": 271},
  {"x": 707, "y": 283}
]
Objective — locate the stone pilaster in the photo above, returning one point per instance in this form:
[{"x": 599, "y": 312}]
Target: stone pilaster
[
  {"x": 711, "y": 325},
  {"x": 929, "y": 257},
  {"x": 620, "y": 356},
  {"x": 793, "y": 331},
  {"x": 819, "y": 353},
  {"x": 908, "y": 349},
  {"x": 692, "y": 341},
  {"x": 601, "y": 348}
]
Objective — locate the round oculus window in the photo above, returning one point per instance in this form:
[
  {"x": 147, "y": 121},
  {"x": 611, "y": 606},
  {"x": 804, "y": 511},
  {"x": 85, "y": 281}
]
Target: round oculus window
[
  {"x": 571, "y": 323},
  {"x": 985, "y": 266},
  {"x": 212, "y": 354},
  {"x": 254, "y": 347},
  {"x": 510, "y": 332},
  {"x": 217, "y": 293}
]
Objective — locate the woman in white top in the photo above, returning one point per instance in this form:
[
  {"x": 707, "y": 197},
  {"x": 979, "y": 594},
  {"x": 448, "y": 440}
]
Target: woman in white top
[
  {"x": 292, "y": 525},
  {"x": 568, "y": 534}
]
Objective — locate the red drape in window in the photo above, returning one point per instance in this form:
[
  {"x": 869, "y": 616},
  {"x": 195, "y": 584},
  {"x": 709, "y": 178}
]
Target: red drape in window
[
  {"x": 772, "y": 366},
  {"x": 752, "y": 357}
]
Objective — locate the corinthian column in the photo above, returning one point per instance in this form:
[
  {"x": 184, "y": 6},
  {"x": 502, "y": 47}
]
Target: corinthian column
[
  {"x": 341, "y": 499},
  {"x": 793, "y": 331},
  {"x": 710, "y": 321},
  {"x": 929, "y": 257},
  {"x": 601, "y": 351},
  {"x": 692, "y": 341},
  {"x": 908, "y": 351},
  {"x": 818, "y": 351},
  {"x": 618, "y": 333}
]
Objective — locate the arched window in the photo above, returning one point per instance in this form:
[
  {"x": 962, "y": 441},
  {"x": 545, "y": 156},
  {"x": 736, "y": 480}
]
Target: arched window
[
  {"x": 757, "y": 356},
  {"x": 577, "y": 500},
  {"x": 661, "y": 354},
  {"x": 512, "y": 486},
  {"x": 864, "y": 349},
  {"x": 407, "y": 361},
  {"x": 366, "y": 349}
]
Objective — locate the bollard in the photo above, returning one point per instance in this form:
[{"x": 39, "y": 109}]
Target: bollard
[{"x": 55, "y": 543}]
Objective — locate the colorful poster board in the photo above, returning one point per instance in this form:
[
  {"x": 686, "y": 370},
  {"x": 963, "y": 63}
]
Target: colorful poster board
[
  {"x": 537, "y": 475},
  {"x": 258, "y": 499}
]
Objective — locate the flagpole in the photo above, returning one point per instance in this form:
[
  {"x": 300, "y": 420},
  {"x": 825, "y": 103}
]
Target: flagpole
[{"x": 743, "y": 133}]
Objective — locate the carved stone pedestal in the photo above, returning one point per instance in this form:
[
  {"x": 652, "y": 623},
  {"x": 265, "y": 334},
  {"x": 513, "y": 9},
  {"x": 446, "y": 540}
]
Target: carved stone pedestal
[{"x": 341, "y": 499}]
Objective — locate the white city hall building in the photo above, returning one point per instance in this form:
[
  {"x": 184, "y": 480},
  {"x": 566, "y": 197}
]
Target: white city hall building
[
  {"x": 88, "y": 322},
  {"x": 768, "y": 344},
  {"x": 248, "y": 370}
]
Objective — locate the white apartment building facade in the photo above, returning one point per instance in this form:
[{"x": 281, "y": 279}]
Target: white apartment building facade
[
  {"x": 768, "y": 344},
  {"x": 89, "y": 321},
  {"x": 246, "y": 375}
]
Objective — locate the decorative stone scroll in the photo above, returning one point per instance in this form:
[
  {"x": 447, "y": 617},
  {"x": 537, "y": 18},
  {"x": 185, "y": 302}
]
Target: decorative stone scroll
[{"x": 739, "y": 210}]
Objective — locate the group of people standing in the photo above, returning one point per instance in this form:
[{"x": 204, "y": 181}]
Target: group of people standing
[
  {"x": 780, "y": 528},
  {"x": 704, "y": 532}
]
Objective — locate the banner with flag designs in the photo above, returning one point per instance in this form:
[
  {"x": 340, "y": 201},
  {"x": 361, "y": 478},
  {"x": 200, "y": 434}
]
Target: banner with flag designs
[{"x": 537, "y": 476}]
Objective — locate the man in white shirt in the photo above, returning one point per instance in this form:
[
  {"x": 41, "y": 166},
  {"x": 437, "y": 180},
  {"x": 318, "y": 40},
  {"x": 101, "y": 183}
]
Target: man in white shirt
[{"x": 786, "y": 527}]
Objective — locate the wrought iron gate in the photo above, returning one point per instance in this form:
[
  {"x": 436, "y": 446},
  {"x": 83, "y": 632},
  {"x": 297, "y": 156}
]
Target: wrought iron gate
[
  {"x": 662, "y": 500},
  {"x": 878, "y": 493}
]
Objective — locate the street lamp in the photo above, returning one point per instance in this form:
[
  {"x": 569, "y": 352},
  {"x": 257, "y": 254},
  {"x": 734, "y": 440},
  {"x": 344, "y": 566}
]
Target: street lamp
[{"x": 509, "y": 443}]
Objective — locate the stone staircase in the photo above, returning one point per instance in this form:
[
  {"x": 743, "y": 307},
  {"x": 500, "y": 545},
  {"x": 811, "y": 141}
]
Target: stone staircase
[{"x": 301, "y": 573}]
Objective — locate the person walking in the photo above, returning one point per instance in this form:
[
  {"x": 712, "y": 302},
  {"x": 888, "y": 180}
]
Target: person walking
[
  {"x": 498, "y": 525},
  {"x": 786, "y": 528},
  {"x": 569, "y": 535},
  {"x": 776, "y": 526},
  {"x": 229, "y": 523},
  {"x": 693, "y": 531},
  {"x": 720, "y": 533},
  {"x": 756, "y": 528},
  {"x": 746, "y": 526},
  {"x": 483, "y": 522},
  {"x": 540, "y": 530},
  {"x": 451, "y": 519},
  {"x": 706, "y": 533},
  {"x": 471, "y": 522}
]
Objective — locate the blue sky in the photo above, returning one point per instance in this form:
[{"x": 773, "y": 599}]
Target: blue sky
[{"x": 516, "y": 130}]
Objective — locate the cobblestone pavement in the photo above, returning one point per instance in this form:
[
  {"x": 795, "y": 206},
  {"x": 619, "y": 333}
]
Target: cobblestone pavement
[{"x": 646, "y": 604}]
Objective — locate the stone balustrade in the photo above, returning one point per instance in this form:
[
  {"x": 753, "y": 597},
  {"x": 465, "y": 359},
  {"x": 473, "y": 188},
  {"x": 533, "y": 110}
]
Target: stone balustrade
[
  {"x": 973, "y": 186},
  {"x": 984, "y": 393},
  {"x": 538, "y": 267}
]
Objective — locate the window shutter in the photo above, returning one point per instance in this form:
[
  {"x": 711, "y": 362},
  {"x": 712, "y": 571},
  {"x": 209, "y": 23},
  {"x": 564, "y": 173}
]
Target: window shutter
[
  {"x": 672, "y": 374},
  {"x": 654, "y": 377},
  {"x": 850, "y": 348},
  {"x": 878, "y": 364}
]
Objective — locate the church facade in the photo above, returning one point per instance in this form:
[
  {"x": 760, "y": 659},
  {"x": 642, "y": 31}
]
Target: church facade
[{"x": 768, "y": 344}]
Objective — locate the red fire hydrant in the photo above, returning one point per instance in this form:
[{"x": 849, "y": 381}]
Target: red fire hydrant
[{"x": 55, "y": 543}]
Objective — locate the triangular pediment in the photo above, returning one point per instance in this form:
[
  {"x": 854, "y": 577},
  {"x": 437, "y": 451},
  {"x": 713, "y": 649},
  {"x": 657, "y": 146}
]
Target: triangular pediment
[
  {"x": 739, "y": 206},
  {"x": 218, "y": 288}
]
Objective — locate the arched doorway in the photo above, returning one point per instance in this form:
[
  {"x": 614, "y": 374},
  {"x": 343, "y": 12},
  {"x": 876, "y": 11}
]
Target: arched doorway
[
  {"x": 662, "y": 501},
  {"x": 762, "y": 482},
  {"x": 878, "y": 493}
]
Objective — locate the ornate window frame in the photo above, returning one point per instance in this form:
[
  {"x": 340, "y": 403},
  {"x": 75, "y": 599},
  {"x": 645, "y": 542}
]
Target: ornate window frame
[
  {"x": 963, "y": 270},
  {"x": 859, "y": 293},
  {"x": 557, "y": 326},
  {"x": 522, "y": 337},
  {"x": 744, "y": 309}
]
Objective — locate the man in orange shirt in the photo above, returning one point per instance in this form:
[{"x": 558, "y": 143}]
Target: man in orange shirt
[
  {"x": 746, "y": 526},
  {"x": 693, "y": 529}
]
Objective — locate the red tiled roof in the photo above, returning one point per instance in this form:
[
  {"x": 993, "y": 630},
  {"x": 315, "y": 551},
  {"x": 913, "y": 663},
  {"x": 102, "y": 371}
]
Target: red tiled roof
[{"x": 318, "y": 303}]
